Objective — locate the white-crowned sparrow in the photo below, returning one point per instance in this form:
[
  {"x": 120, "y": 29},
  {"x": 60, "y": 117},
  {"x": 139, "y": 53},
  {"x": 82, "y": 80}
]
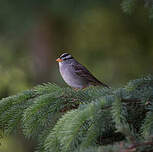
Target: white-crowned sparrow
[{"x": 75, "y": 74}]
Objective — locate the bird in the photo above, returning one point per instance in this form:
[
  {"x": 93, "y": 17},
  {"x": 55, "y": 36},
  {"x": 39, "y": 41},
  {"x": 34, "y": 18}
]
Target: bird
[{"x": 75, "y": 74}]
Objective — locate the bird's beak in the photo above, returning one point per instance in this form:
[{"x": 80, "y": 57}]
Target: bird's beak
[{"x": 59, "y": 60}]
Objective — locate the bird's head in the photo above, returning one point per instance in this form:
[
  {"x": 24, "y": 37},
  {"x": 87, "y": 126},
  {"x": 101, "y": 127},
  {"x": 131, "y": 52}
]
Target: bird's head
[{"x": 64, "y": 57}]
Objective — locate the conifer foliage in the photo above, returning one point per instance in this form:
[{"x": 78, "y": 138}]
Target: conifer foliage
[
  {"x": 94, "y": 119},
  {"x": 129, "y": 6}
]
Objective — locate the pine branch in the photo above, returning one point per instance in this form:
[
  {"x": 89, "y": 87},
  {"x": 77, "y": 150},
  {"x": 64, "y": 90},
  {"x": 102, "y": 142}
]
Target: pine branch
[
  {"x": 147, "y": 127},
  {"x": 62, "y": 119},
  {"x": 119, "y": 113},
  {"x": 128, "y": 6},
  {"x": 11, "y": 110},
  {"x": 73, "y": 124}
]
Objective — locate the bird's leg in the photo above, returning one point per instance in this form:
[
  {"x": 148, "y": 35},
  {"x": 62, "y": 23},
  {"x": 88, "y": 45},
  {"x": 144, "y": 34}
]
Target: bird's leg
[
  {"x": 83, "y": 87},
  {"x": 76, "y": 89}
]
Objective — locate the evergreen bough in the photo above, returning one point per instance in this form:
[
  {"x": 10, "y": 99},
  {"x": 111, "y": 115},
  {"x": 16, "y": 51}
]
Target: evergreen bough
[
  {"x": 129, "y": 6},
  {"x": 94, "y": 119}
]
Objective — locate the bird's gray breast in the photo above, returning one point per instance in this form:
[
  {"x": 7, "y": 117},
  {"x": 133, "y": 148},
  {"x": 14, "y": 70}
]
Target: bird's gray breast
[{"x": 70, "y": 77}]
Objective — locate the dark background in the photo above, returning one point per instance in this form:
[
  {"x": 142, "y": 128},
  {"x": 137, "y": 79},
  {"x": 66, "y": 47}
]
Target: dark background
[{"x": 114, "y": 46}]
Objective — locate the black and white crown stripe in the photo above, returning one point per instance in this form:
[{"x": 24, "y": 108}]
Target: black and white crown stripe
[{"x": 66, "y": 56}]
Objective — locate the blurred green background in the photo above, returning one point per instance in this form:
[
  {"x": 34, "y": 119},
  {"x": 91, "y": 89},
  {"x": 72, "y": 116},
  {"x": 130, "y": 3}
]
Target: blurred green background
[{"x": 115, "y": 47}]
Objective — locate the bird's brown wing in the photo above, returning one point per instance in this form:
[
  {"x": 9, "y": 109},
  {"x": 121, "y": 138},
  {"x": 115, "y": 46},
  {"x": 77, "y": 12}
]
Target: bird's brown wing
[{"x": 83, "y": 72}]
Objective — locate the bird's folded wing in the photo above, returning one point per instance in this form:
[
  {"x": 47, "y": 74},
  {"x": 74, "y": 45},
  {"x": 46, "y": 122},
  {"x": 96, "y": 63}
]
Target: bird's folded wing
[{"x": 83, "y": 72}]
